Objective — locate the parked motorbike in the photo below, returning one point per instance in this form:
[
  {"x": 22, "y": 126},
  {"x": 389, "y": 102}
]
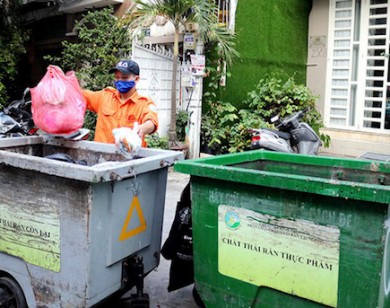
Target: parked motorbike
[
  {"x": 290, "y": 136},
  {"x": 16, "y": 121}
]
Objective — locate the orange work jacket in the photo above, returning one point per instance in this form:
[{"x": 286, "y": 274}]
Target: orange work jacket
[{"x": 113, "y": 113}]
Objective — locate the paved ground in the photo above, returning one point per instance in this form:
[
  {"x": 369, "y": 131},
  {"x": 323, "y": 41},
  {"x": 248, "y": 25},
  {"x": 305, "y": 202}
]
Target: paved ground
[{"x": 156, "y": 283}]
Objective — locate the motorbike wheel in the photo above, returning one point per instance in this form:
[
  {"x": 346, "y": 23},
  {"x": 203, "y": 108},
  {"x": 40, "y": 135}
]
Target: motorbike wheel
[{"x": 11, "y": 294}]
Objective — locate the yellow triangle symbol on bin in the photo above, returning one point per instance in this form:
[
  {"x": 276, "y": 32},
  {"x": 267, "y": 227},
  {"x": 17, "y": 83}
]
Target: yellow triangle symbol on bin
[{"x": 125, "y": 234}]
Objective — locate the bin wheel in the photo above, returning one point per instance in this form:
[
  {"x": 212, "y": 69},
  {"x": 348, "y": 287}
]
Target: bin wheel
[
  {"x": 198, "y": 300},
  {"x": 11, "y": 294}
]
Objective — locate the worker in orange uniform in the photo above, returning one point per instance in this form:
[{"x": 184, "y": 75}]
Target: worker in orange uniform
[{"x": 123, "y": 106}]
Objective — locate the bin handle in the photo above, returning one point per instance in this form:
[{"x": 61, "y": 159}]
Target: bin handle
[
  {"x": 136, "y": 185},
  {"x": 115, "y": 176},
  {"x": 167, "y": 163}
]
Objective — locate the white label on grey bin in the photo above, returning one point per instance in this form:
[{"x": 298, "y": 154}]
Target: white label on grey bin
[{"x": 294, "y": 256}]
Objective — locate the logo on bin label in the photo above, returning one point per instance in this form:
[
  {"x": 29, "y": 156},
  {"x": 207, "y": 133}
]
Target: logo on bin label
[
  {"x": 134, "y": 206},
  {"x": 232, "y": 220}
]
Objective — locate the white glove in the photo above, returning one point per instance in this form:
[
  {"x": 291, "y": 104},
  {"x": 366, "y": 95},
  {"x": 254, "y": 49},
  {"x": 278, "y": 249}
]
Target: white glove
[{"x": 127, "y": 141}]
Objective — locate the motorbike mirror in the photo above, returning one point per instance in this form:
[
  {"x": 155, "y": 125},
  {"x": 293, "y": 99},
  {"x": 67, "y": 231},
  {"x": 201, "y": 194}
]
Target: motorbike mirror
[
  {"x": 275, "y": 119},
  {"x": 26, "y": 91}
]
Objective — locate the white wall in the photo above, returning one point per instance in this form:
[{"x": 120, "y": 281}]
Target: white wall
[
  {"x": 317, "y": 53},
  {"x": 343, "y": 142}
]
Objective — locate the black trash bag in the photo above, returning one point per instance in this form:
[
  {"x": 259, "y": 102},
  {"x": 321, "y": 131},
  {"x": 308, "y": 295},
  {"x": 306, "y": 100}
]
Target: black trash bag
[
  {"x": 178, "y": 246},
  {"x": 66, "y": 158}
]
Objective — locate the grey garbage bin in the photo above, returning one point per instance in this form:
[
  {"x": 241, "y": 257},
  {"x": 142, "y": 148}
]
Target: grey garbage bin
[{"x": 72, "y": 235}]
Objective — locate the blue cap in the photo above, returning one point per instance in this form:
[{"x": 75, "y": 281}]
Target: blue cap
[{"x": 126, "y": 67}]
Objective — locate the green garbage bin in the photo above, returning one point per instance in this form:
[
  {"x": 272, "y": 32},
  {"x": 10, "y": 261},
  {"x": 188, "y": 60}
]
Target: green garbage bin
[{"x": 284, "y": 230}]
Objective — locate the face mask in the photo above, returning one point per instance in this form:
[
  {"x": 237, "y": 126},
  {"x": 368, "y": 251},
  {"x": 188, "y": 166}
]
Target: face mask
[{"x": 124, "y": 86}]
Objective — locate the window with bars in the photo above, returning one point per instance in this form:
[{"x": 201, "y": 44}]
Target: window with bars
[
  {"x": 223, "y": 12},
  {"x": 358, "y": 85}
]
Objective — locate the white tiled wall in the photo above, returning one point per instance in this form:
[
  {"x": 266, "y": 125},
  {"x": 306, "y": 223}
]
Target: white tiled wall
[{"x": 354, "y": 144}]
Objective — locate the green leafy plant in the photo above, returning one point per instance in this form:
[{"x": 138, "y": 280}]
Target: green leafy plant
[
  {"x": 12, "y": 39},
  {"x": 182, "y": 121},
  {"x": 274, "y": 96},
  {"x": 225, "y": 129},
  {"x": 216, "y": 126},
  {"x": 157, "y": 142}
]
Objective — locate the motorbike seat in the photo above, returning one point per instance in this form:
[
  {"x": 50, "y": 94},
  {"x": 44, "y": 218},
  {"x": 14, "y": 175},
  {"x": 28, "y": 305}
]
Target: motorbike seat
[{"x": 280, "y": 134}]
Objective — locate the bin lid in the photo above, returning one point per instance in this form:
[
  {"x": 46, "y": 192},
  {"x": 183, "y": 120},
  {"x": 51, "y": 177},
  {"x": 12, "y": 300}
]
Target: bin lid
[
  {"x": 330, "y": 176},
  {"x": 24, "y": 153}
]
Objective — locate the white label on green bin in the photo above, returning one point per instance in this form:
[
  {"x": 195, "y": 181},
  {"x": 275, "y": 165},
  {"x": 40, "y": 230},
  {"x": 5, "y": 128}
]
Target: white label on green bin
[
  {"x": 31, "y": 233},
  {"x": 294, "y": 256}
]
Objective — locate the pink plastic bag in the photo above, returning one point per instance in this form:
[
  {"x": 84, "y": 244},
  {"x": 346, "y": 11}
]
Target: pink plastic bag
[{"x": 58, "y": 105}]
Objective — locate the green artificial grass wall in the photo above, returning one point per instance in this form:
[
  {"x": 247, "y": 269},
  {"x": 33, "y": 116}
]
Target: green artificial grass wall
[{"x": 271, "y": 37}]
